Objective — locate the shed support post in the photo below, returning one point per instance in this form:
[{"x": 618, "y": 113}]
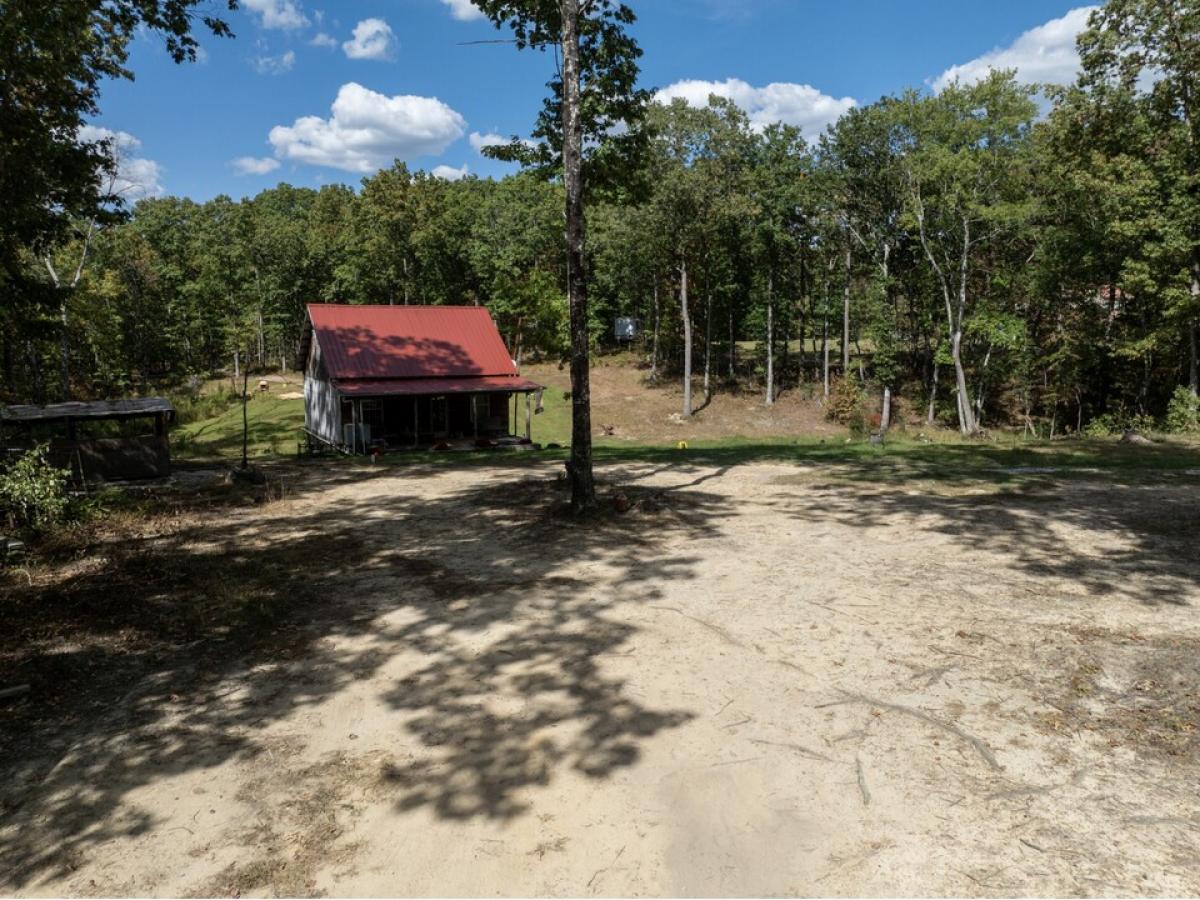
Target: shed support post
[
  {"x": 475, "y": 414},
  {"x": 528, "y": 418},
  {"x": 416, "y": 422}
]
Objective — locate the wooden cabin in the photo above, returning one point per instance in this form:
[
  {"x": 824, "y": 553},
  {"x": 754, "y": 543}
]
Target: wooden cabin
[{"x": 393, "y": 377}]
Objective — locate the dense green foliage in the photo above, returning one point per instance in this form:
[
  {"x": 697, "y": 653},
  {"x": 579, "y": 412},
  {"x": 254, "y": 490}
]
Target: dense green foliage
[
  {"x": 33, "y": 493},
  {"x": 54, "y": 58},
  {"x": 988, "y": 261}
]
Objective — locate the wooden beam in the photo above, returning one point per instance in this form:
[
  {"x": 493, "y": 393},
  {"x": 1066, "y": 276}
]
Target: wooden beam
[{"x": 528, "y": 418}]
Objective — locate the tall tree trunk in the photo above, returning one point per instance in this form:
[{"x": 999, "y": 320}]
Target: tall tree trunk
[
  {"x": 825, "y": 351},
  {"x": 732, "y": 347},
  {"x": 262, "y": 340},
  {"x": 579, "y": 466},
  {"x": 885, "y": 415},
  {"x": 687, "y": 339},
  {"x": 245, "y": 417},
  {"x": 987, "y": 358},
  {"x": 931, "y": 413},
  {"x": 654, "y": 348},
  {"x": 64, "y": 351},
  {"x": 846, "y": 319},
  {"x": 770, "y": 344},
  {"x": 955, "y": 310},
  {"x": 1194, "y": 355},
  {"x": 803, "y": 352},
  {"x": 1194, "y": 366},
  {"x": 707, "y": 342},
  {"x": 966, "y": 420}
]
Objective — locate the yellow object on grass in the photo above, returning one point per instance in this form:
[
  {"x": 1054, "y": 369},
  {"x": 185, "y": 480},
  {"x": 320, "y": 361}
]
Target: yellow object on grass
[{"x": 682, "y": 445}]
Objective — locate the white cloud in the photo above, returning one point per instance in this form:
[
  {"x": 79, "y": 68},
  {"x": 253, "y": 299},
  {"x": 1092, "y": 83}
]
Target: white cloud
[
  {"x": 793, "y": 104},
  {"x": 274, "y": 65},
  {"x": 136, "y": 177},
  {"x": 285, "y": 14},
  {"x": 321, "y": 39},
  {"x": 449, "y": 172},
  {"x": 367, "y": 130},
  {"x": 1043, "y": 54},
  {"x": 491, "y": 139},
  {"x": 373, "y": 39},
  {"x": 250, "y": 165},
  {"x": 463, "y": 10}
]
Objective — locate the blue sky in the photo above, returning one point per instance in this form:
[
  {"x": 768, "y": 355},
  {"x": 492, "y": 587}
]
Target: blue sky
[{"x": 319, "y": 92}]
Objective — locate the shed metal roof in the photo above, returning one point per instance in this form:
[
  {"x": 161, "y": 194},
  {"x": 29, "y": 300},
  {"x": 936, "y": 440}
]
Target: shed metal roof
[
  {"x": 425, "y": 387},
  {"x": 361, "y": 341},
  {"x": 93, "y": 409}
]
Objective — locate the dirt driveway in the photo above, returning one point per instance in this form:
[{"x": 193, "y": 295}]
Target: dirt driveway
[{"x": 759, "y": 680}]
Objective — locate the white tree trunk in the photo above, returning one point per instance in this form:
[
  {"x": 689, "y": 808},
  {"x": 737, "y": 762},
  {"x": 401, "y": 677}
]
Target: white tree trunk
[
  {"x": 931, "y": 413},
  {"x": 770, "y": 346},
  {"x": 825, "y": 351},
  {"x": 687, "y": 339},
  {"x": 707, "y": 343},
  {"x": 846, "y": 319},
  {"x": 654, "y": 347}
]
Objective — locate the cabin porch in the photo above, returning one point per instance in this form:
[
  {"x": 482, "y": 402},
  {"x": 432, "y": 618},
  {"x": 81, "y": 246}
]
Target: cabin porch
[{"x": 399, "y": 422}]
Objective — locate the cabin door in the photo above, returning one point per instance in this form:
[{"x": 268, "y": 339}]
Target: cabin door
[{"x": 439, "y": 417}]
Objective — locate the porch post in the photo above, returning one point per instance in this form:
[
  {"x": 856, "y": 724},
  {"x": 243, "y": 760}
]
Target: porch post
[
  {"x": 416, "y": 422},
  {"x": 528, "y": 418},
  {"x": 475, "y": 414}
]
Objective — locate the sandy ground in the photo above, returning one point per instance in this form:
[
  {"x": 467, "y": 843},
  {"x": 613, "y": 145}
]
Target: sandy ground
[{"x": 758, "y": 681}]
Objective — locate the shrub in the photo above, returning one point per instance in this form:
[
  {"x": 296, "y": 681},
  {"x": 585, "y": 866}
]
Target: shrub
[
  {"x": 846, "y": 402},
  {"x": 33, "y": 493},
  {"x": 1183, "y": 412},
  {"x": 1117, "y": 422}
]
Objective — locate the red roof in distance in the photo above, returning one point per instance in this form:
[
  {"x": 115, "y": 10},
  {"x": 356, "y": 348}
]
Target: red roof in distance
[
  {"x": 420, "y": 387},
  {"x": 409, "y": 341}
]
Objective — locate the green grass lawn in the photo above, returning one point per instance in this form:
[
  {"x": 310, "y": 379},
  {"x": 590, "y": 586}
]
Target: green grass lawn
[{"x": 276, "y": 429}]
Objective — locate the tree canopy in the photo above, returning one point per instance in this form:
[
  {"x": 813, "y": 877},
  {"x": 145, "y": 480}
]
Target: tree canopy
[{"x": 987, "y": 258}]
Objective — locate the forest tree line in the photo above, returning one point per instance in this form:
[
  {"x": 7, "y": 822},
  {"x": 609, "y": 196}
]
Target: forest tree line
[{"x": 996, "y": 254}]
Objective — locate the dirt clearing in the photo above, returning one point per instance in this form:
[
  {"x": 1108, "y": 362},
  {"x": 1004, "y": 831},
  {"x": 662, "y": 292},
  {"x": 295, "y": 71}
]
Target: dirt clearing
[{"x": 755, "y": 680}]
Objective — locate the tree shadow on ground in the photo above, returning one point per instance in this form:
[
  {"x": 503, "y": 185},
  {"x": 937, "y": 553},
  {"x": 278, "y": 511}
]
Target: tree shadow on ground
[
  {"x": 1142, "y": 538},
  {"x": 171, "y": 655}
]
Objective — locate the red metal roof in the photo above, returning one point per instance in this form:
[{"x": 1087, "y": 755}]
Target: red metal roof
[
  {"x": 408, "y": 341},
  {"x": 421, "y": 387}
]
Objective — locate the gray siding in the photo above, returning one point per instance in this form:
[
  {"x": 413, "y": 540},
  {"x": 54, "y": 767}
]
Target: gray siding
[{"x": 322, "y": 406}]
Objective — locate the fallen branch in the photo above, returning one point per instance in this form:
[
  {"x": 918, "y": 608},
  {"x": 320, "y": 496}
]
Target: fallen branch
[
  {"x": 17, "y": 690},
  {"x": 932, "y": 675},
  {"x": 980, "y": 747},
  {"x": 862, "y": 781},
  {"x": 840, "y": 612}
]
